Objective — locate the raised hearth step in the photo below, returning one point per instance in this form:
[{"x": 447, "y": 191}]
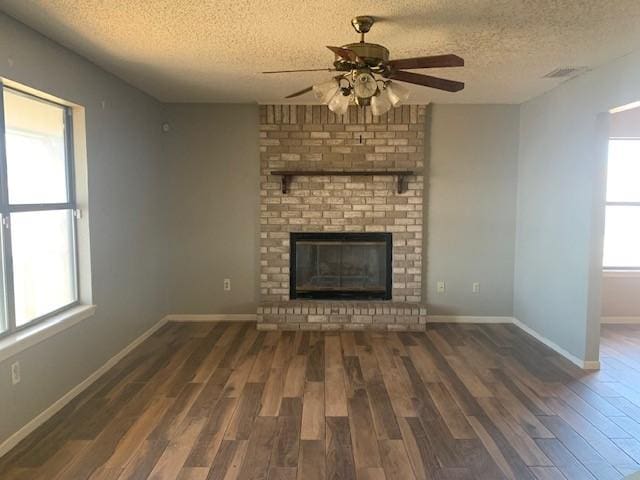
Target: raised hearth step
[{"x": 342, "y": 315}]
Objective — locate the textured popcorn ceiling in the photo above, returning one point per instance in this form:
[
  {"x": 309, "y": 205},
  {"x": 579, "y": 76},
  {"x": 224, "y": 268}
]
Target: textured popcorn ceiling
[{"x": 213, "y": 51}]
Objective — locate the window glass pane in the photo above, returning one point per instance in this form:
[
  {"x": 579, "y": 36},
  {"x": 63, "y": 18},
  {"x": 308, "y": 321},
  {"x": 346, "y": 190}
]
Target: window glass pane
[
  {"x": 35, "y": 144},
  {"x": 622, "y": 237},
  {"x": 623, "y": 172},
  {"x": 43, "y": 262}
]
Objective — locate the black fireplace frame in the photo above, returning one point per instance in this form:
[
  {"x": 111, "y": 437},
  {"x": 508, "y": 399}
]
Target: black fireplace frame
[{"x": 341, "y": 294}]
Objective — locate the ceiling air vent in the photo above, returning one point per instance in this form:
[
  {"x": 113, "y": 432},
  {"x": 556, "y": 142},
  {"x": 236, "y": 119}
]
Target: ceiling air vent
[{"x": 566, "y": 72}]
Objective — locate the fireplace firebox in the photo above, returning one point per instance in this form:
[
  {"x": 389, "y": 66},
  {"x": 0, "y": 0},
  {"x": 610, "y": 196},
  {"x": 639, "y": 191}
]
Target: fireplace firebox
[{"x": 340, "y": 266}]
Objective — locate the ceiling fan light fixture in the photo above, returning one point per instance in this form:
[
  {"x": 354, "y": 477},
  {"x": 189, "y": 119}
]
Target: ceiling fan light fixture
[
  {"x": 364, "y": 85},
  {"x": 339, "y": 103},
  {"x": 327, "y": 90},
  {"x": 380, "y": 103},
  {"x": 396, "y": 93}
]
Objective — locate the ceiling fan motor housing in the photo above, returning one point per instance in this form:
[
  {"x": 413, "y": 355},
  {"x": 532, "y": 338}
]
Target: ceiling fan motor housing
[{"x": 375, "y": 56}]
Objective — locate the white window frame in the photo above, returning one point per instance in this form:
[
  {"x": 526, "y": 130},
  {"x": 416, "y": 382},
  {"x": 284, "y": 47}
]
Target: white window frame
[
  {"x": 629, "y": 270},
  {"x": 6, "y": 208}
]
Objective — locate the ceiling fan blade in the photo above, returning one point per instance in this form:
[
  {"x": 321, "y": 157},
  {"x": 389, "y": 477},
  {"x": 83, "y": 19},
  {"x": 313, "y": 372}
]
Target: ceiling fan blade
[
  {"x": 346, "y": 54},
  {"x": 433, "y": 61},
  {"x": 303, "y": 70},
  {"x": 427, "y": 81},
  {"x": 301, "y": 92}
]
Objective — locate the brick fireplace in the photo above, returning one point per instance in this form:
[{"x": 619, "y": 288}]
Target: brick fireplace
[{"x": 305, "y": 138}]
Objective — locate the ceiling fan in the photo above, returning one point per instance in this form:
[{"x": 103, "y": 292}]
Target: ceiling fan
[{"x": 366, "y": 73}]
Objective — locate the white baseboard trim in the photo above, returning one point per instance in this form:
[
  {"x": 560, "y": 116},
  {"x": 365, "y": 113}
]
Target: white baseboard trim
[
  {"x": 50, "y": 411},
  {"x": 467, "y": 319},
  {"x": 591, "y": 365},
  {"x": 584, "y": 364},
  {"x": 217, "y": 317},
  {"x": 618, "y": 320}
]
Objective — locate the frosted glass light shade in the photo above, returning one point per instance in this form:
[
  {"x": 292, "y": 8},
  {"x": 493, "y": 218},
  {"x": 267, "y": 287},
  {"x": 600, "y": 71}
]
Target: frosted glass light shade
[
  {"x": 380, "y": 103},
  {"x": 339, "y": 103},
  {"x": 325, "y": 91},
  {"x": 397, "y": 93}
]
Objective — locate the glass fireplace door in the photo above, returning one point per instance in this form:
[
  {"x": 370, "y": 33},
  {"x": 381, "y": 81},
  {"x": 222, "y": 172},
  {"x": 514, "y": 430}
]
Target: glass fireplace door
[{"x": 341, "y": 266}]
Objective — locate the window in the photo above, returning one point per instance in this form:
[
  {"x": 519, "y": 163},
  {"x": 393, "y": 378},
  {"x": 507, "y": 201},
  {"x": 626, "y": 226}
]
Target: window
[
  {"x": 622, "y": 225},
  {"x": 37, "y": 207}
]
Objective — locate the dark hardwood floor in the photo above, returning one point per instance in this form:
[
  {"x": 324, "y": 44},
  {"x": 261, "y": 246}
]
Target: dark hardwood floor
[{"x": 224, "y": 401}]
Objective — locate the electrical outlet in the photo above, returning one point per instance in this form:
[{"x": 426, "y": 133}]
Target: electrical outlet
[
  {"x": 15, "y": 373},
  {"x": 227, "y": 284},
  {"x": 440, "y": 286},
  {"x": 475, "y": 288}
]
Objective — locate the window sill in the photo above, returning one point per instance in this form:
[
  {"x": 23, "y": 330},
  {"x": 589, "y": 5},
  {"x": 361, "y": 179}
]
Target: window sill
[
  {"x": 621, "y": 273},
  {"x": 29, "y": 337}
]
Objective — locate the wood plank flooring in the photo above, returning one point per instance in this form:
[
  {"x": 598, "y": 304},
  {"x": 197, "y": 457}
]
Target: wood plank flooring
[{"x": 224, "y": 401}]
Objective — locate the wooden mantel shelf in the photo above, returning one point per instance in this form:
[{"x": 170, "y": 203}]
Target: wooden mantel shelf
[{"x": 286, "y": 175}]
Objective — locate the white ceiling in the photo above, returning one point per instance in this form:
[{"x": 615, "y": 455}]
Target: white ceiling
[{"x": 213, "y": 50}]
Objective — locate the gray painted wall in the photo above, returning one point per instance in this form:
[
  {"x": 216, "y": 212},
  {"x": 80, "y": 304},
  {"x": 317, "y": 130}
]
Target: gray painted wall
[
  {"x": 470, "y": 206},
  {"x": 470, "y": 209},
  {"x": 128, "y": 244},
  {"x": 620, "y": 295},
  {"x": 625, "y": 123},
  {"x": 561, "y": 172},
  {"x": 214, "y": 207}
]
